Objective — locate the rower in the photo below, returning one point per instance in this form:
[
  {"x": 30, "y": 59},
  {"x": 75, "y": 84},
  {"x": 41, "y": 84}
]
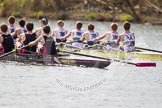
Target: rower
[
  {"x": 20, "y": 30},
  {"x": 24, "y": 39},
  {"x": 90, "y": 35},
  {"x": 22, "y": 26},
  {"x": 76, "y": 35},
  {"x": 11, "y": 27},
  {"x": 111, "y": 37},
  {"x": 6, "y": 40},
  {"x": 127, "y": 38},
  {"x": 47, "y": 41},
  {"x": 44, "y": 22},
  {"x": 60, "y": 31}
]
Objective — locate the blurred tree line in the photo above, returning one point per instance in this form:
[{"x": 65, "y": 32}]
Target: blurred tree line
[{"x": 112, "y": 10}]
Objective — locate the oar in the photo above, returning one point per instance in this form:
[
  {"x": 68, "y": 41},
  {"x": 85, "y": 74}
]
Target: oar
[
  {"x": 13, "y": 51},
  {"x": 148, "y": 49},
  {"x": 69, "y": 42},
  {"x": 141, "y": 64}
]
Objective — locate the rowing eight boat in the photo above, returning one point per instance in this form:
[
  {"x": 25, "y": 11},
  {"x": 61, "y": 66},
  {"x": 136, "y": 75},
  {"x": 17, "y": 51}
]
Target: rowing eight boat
[{"x": 51, "y": 60}]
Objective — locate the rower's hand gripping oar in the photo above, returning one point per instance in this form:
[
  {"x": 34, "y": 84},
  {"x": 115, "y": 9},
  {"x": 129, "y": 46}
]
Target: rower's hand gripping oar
[
  {"x": 13, "y": 51},
  {"x": 141, "y": 64},
  {"x": 148, "y": 49}
]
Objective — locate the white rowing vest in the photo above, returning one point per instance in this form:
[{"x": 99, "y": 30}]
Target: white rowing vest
[
  {"x": 11, "y": 29},
  {"x": 76, "y": 37},
  {"x": 92, "y": 36},
  {"x": 129, "y": 42},
  {"x": 23, "y": 30},
  {"x": 111, "y": 41},
  {"x": 61, "y": 33}
]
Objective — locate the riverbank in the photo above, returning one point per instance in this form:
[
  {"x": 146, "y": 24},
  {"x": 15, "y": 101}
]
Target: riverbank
[{"x": 91, "y": 16}]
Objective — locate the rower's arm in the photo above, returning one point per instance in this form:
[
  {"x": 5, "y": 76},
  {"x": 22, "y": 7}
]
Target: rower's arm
[
  {"x": 54, "y": 33},
  {"x": 120, "y": 38},
  {"x": 84, "y": 37},
  {"x": 35, "y": 42},
  {"x": 21, "y": 38},
  {"x": 100, "y": 37},
  {"x": 16, "y": 32},
  {"x": 1, "y": 39},
  {"x": 38, "y": 32},
  {"x": 67, "y": 35}
]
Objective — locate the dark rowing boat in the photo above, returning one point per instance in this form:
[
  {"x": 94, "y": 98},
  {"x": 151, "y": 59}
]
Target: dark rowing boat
[{"x": 59, "y": 59}]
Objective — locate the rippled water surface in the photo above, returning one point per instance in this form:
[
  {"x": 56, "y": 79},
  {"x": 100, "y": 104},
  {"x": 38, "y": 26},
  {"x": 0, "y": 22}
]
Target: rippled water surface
[{"x": 117, "y": 86}]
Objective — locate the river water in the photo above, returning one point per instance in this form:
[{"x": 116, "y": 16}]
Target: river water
[{"x": 117, "y": 86}]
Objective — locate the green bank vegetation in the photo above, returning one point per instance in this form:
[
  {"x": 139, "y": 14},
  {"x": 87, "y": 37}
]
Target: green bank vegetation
[{"x": 101, "y": 10}]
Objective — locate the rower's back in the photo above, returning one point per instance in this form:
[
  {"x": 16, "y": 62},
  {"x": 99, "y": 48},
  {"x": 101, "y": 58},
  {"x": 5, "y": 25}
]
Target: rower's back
[
  {"x": 49, "y": 48},
  {"x": 91, "y": 34},
  {"x": 60, "y": 31},
  {"x": 6, "y": 40},
  {"x": 29, "y": 37}
]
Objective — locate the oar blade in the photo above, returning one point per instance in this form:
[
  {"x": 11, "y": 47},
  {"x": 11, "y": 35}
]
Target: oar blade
[{"x": 147, "y": 64}]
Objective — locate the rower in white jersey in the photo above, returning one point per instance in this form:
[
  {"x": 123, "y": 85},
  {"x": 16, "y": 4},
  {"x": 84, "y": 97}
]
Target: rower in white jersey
[
  {"x": 19, "y": 30},
  {"x": 11, "y": 27},
  {"x": 59, "y": 32},
  {"x": 90, "y": 35},
  {"x": 111, "y": 37},
  {"x": 76, "y": 35},
  {"x": 127, "y": 38},
  {"x": 39, "y": 31}
]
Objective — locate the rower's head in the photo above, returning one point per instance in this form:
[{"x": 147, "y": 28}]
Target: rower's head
[
  {"x": 22, "y": 23},
  {"x": 91, "y": 27},
  {"x": 3, "y": 28},
  {"x": 114, "y": 26},
  {"x": 43, "y": 21},
  {"x": 60, "y": 23},
  {"x": 46, "y": 29},
  {"x": 29, "y": 26},
  {"x": 78, "y": 25},
  {"x": 126, "y": 25},
  {"x": 11, "y": 19}
]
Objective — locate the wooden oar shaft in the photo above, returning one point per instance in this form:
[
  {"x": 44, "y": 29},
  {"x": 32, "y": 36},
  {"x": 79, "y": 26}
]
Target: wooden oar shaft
[{"x": 148, "y": 49}]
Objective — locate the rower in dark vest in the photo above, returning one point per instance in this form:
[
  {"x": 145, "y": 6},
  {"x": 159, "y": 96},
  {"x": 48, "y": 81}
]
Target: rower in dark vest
[
  {"x": 6, "y": 40},
  {"x": 26, "y": 38},
  {"x": 47, "y": 43}
]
